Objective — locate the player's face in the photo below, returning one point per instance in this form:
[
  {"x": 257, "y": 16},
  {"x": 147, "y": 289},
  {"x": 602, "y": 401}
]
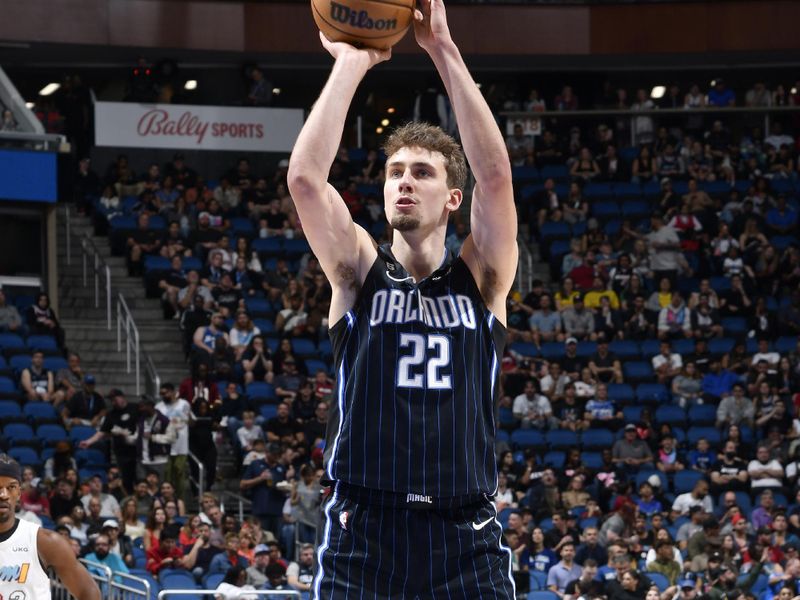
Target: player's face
[
  {"x": 9, "y": 496},
  {"x": 416, "y": 192}
]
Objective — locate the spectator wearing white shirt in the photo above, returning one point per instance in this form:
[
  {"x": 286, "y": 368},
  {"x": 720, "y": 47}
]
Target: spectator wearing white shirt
[
  {"x": 674, "y": 320},
  {"x": 533, "y": 409},
  {"x": 109, "y": 506},
  {"x": 765, "y": 473},
  {"x": 667, "y": 364},
  {"x": 249, "y": 432},
  {"x": 764, "y": 353},
  {"x": 697, "y": 497},
  {"x": 178, "y": 411}
]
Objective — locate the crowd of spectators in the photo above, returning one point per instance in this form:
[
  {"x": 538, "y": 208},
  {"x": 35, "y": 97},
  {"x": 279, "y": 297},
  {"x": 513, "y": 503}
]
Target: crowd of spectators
[{"x": 648, "y": 430}]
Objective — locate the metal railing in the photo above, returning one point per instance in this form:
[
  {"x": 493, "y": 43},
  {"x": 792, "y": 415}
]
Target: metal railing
[
  {"x": 524, "y": 268},
  {"x": 239, "y": 499},
  {"x": 133, "y": 351},
  {"x": 200, "y": 482},
  {"x": 93, "y": 261},
  {"x": 113, "y": 585},
  {"x": 99, "y": 269},
  {"x": 244, "y": 595}
]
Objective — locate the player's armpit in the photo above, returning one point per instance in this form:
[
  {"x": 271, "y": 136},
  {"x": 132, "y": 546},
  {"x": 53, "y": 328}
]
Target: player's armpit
[{"x": 57, "y": 553}]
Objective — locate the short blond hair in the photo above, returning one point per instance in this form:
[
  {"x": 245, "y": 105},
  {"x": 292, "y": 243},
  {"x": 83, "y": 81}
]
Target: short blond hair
[{"x": 434, "y": 139}]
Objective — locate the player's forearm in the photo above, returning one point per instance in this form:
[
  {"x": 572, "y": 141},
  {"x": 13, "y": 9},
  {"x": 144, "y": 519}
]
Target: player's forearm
[
  {"x": 319, "y": 139},
  {"x": 483, "y": 143}
]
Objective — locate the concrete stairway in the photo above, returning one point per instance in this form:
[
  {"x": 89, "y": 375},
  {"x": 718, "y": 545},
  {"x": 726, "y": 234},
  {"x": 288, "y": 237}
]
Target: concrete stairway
[{"x": 86, "y": 326}]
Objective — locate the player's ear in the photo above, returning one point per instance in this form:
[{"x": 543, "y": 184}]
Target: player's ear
[{"x": 455, "y": 199}]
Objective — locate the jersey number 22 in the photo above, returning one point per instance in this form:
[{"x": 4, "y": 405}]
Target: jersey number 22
[{"x": 432, "y": 351}]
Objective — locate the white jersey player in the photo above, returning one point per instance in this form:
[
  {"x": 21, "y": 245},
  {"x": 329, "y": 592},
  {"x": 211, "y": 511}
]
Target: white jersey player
[{"x": 27, "y": 550}]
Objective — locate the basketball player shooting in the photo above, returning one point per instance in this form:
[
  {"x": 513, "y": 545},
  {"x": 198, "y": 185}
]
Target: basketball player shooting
[
  {"x": 26, "y": 550},
  {"x": 417, "y": 335}
]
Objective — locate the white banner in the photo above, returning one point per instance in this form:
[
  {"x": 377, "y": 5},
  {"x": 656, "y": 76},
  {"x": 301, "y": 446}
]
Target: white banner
[{"x": 185, "y": 127}]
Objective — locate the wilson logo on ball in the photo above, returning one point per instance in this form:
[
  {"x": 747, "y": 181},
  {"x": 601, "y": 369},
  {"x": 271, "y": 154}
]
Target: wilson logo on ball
[{"x": 360, "y": 18}]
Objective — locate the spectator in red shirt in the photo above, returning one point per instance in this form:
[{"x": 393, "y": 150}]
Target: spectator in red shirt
[{"x": 167, "y": 555}]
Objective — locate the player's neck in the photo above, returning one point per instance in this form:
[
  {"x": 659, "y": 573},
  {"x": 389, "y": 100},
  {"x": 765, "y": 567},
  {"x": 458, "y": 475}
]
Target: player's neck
[
  {"x": 419, "y": 253},
  {"x": 8, "y": 525}
]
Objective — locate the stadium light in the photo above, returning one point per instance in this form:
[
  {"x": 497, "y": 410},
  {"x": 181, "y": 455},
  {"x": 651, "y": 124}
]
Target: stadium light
[
  {"x": 49, "y": 89},
  {"x": 379, "y": 130},
  {"x": 29, "y": 105},
  {"x": 276, "y": 91},
  {"x": 390, "y": 110},
  {"x": 385, "y": 122},
  {"x": 191, "y": 84},
  {"x": 658, "y": 92}
]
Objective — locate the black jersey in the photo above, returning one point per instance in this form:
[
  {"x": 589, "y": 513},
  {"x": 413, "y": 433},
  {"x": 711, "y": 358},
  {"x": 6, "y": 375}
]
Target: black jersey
[{"x": 417, "y": 377}]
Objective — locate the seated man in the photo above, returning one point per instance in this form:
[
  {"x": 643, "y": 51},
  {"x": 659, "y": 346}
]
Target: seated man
[
  {"x": 142, "y": 242},
  {"x": 601, "y": 411},
  {"x": 666, "y": 364},
  {"x": 675, "y": 320},
  {"x": 545, "y": 323},
  {"x": 36, "y": 381}
]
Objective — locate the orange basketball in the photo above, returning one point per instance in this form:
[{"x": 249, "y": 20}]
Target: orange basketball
[{"x": 373, "y": 23}]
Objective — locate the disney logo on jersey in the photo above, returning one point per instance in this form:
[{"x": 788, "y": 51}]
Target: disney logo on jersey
[
  {"x": 15, "y": 573},
  {"x": 399, "y": 306}
]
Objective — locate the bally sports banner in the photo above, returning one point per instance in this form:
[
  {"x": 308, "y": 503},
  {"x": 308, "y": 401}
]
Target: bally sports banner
[{"x": 185, "y": 127}]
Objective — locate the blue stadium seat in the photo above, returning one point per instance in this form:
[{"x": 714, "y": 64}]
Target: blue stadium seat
[
  {"x": 78, "y": 433},
  {"x": 90, "y": 457},
  {"x": 624, "y": 349},
  {"x": 598, "y": 189},
  {"x": 241, "y": 226},
  {"x": 51, "y": 434},
  {"x": 258, "y": 307},
  {"x": 649, "y": 348},
  {"x": 41, "y": 342},
  {"x": 527, "y": 438},
  {"x": 506, "y": 417},
  {"x": 782, "y": 242},
  {"x": 703, "y": 414},
  {"x": 630, "y": 191},
  {"x": 271, "y": 246},
  {"x": 296, "y": 248},
  {"x": 596, "y": 439},
  {"x": 554, "y": 459},
  {"x": 720, "y": 283},
  {"x": 192, "y": 263},
  {"x": 526, "y": 349},
  {"x": 325, "y": 349},
  {"x": 683, "y": 346},
  {"x": 314, "y": 364},
  {"x": 557, "y": 172},
  {"x": 720, "y": 346},
  {"x": 644, "y": 474},
  {"x": 20, "y": 434},
  {"x": 785, "y": 344},
  {"x": 538, "y": 581},
  {"x": 178, "y": 580},
  {"x": 212, "y": 580},
  {"x": 260, "y": 391},
  {"x": 18, "y": 362},
  {"x": 551, "y": 230},
  {"x": 605, "y": 210},
  {"x": 11, "y": 412},
  {"x": 586, "y": 349},
  {"x": 651, "y": 393},
  {"x": 55, "y": 363},
  {"x": 11, "y": 340},
  {"x": 561, "y": 439},
  {"x": 592, "y": 460},
  {"x": 558, "y": 248},
  {"x": 659, "y": 580},
  {"x": 636, "y": 371},
  {"x": 304, "y": 348},
  {"x": 553, "y": 350},
  {"x": 631, "y": 414},
  {"x": 670, "y": 414},
  {"x": 269, "y": 410},
  {"x": 39, "y": 413},
  {"x": 25, "y": 456},
  {"x": 502, "y": 436},
  {"x": 621, "y": 393},
  {"x": 156, "y": 263},
  {"x": 734, "y": 326},
  {"x": 685, "y": 480},
  {"x": 710, "y": 433},
  {"x": 524, "y": 174}
]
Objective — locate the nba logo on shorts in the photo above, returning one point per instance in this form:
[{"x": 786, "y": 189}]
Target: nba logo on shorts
[{"x": 344, "y": 516}]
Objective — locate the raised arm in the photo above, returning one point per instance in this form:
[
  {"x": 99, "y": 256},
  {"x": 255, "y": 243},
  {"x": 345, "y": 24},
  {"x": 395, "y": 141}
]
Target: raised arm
[
  {"x": 56, "y": 553},
  {"x": 345, "y": 251},
  {"x": 491, "y": 249}
]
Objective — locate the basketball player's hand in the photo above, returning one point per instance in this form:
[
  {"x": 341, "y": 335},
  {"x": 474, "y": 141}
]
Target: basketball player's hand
[
  {"x": 430, "y": 24},
  {"x": 339, "y": 49}
]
